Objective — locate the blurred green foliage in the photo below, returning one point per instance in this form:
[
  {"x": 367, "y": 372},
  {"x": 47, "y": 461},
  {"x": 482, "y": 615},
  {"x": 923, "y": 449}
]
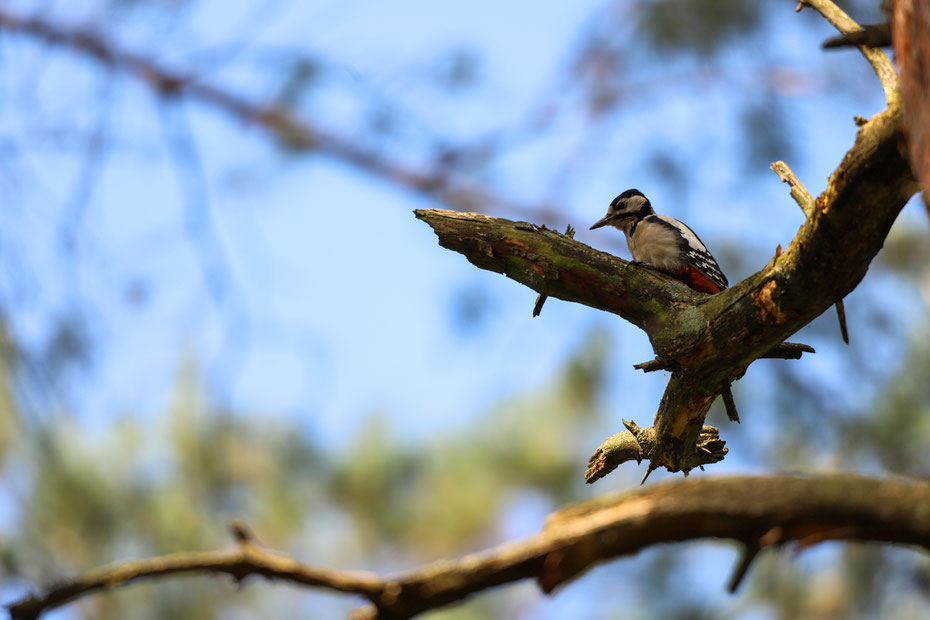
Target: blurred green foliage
[
  {"x": 698, "y": 26},
  {"x": 148, "y": 487}
]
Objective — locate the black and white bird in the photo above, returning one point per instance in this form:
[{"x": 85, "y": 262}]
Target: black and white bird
[{"x": 663, "y": 242}]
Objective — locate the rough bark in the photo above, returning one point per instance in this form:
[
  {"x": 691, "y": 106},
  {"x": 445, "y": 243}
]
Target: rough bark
[
  {"x": 911, "y": 36},
  {"x": 556, "y": 265}
]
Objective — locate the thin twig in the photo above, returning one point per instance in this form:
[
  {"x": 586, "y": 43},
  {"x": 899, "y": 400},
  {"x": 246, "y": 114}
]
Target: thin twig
[
  {"x": 730, "y": 404},
  {"x": 542, "y": 297},
  {"x": 540, "y": 300},
  {"x": 846, "y": 25},
  {"x": 782, "y": 351},
  {"x": 652, "y": 365},
  {"x": 800, "y": 195},
  {"x": 787, "y": 351},
  {"x": 807, "y": 204},
  {"x": 747, "y": 555},
  {"x": 841, "y": 317},
  {"x": 240, "y": 532}
]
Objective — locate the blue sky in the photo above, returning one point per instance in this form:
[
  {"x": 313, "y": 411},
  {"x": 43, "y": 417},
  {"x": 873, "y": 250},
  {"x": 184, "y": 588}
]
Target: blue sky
[{"x": 339, "y": 303}]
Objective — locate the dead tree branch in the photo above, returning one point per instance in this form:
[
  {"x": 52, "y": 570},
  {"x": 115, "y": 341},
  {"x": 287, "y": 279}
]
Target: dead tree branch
[
  {"x": 756, "y": 512},
  {"x": 708, "y": 341},
  {"x": 558, "y": 266}
]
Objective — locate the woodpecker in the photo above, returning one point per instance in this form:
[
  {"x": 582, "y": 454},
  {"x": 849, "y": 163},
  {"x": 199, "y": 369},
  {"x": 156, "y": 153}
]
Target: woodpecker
[
  {"x": 671, "y": 247},
  {"x": 663, "y": 242}
]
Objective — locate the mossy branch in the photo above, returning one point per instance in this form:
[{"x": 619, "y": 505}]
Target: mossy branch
[{"x": 558, "y": 266}]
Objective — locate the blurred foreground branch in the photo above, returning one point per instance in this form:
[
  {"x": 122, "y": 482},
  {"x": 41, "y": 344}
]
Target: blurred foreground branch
[{"x": 756, "y": 512}]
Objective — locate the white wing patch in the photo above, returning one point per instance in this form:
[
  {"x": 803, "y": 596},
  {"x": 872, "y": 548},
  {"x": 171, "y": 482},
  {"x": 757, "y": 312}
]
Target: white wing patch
[{"x": 685, "y": 232}]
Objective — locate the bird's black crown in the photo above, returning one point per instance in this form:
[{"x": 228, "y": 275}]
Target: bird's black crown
[{"x": 625, "y": 195}]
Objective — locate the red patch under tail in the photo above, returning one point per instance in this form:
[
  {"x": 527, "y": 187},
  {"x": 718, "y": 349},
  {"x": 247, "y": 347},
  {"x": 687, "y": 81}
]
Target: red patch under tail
[{"x": 690, "y": 275}]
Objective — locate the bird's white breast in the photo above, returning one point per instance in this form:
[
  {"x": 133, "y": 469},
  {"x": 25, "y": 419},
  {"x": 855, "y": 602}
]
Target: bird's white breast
[{"x": 655, "y": 244}]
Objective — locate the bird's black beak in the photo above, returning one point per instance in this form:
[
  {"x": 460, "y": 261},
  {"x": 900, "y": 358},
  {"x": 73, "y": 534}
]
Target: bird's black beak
[{"x": 607, "y": 219}]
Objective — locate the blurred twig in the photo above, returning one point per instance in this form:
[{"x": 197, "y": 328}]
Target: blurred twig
[
  {"x": 846, "y": 25},
  {"x": 95, "y": 151},
  {"x": 281, "y": 122},
  {"x": 755, "y": 511},
  {"x": 194, "y": 189},
  {"x": 201, "y": 231}
]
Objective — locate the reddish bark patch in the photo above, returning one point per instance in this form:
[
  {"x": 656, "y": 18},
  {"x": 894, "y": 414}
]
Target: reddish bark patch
[{"x": 766, "y": 304}]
